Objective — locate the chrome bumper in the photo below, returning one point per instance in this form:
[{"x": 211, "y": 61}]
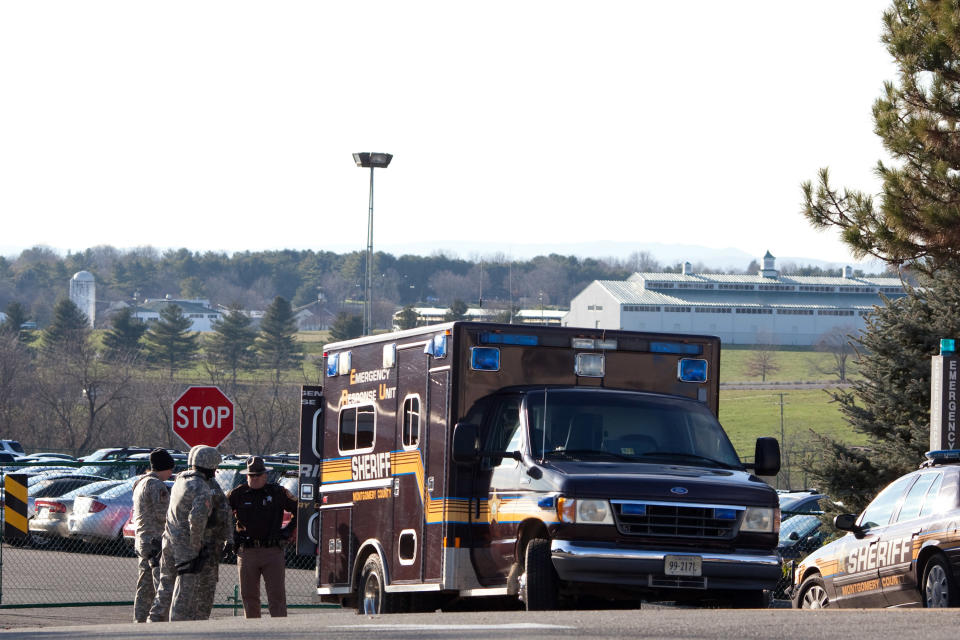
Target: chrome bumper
[{"x": 611, "y": 564}]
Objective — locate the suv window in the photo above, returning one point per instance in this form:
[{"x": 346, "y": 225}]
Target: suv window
[{"x": 878, "y": 512}]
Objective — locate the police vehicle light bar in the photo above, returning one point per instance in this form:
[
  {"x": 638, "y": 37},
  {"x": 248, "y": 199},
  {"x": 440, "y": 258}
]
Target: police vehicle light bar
[
  {"x": 332, "y": 364},
  {"x": 943, "y": 455}
]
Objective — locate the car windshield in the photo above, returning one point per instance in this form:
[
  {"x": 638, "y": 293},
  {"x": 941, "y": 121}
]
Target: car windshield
[
  {"x": 803, "y": 526},
  {"x": 626, "y": 426},
  {"x": 90, "y": 489}
]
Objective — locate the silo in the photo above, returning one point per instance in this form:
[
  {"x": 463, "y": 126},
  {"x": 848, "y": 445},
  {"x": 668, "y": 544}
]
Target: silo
[{"x": 83, "y": 293}]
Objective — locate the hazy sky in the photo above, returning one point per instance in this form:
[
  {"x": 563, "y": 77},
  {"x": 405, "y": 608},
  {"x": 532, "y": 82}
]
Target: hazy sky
[{"x": 230, "y": 125}]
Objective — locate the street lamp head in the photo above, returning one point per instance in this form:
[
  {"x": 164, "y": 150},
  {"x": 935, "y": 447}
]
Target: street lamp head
[{"x": 375, "y": 160}]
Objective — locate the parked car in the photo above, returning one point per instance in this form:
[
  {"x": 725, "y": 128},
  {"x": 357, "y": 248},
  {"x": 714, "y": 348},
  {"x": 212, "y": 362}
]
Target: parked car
[
  {"x": 113, "y": 453},
  {"x": 99, "y": 517},
  {"x": 12, "y": 447},
  {"x": 50, "y": 521},
  {"x": 900, "y": 551},
  {"x": 128, "y": 462},
  {"x": 51, "y": 485},
  {"x": 798, "y": 502},
  {"x": 799, "y": 536},
  {"x": 48, "y": 457}
]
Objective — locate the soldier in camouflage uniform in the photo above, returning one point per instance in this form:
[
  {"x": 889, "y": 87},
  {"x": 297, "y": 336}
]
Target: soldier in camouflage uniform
[
  {"x": 219, "y": 530},
  {"x": 150, "y": 500},
  {"x": 183, "y": 556}
]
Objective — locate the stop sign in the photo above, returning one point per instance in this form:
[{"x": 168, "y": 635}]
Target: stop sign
[{"x": 203, "y": 415}]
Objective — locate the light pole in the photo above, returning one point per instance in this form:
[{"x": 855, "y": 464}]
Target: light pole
[{"x": 372, "y": 160}]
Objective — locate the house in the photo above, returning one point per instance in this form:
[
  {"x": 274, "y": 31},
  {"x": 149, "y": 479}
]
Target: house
[
  {"x": 197, "y": 310},
  {"x": 766, "y": 308}
]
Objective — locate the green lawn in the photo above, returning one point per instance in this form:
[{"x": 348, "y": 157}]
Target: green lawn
[{"x": 794, "y": 366}]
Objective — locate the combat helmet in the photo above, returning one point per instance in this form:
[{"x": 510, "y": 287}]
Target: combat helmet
[{"x": 205, "y": 457}]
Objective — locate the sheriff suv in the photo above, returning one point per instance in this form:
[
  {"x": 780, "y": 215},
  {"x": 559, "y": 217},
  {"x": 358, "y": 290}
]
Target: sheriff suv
[{"x": 903, "y": 550}]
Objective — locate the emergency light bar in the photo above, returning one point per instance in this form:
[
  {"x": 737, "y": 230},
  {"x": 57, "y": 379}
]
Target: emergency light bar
[
  {"x": 590, "y": 343},
  {"x": 508, "y": 338},
  {"x": 332, "y": 364},
  {"x": 676, "y": 347}
]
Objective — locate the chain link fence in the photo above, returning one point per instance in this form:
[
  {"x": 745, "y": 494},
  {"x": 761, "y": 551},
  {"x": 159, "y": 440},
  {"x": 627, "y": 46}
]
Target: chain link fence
[{"x": 77, "y": 549}]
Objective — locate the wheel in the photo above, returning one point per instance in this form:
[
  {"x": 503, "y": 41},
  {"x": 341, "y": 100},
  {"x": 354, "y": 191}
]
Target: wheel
[
  {"x": 813, "y": 594},
  {"x": 539, "y": 584},
  {"x": 939, "y": 587},
  {"x": 372, "y": 597}
]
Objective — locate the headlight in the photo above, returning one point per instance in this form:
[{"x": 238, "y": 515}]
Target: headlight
[
  {"x": 584, "y": 511},
  {"x": 758, "y": 519}
]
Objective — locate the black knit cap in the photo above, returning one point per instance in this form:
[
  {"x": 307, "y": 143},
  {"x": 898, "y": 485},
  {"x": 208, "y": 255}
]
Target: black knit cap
[{"x": 160, "y": 460}]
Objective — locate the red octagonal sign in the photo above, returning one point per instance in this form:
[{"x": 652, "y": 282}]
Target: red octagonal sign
[{"x": 203, "y": 415}]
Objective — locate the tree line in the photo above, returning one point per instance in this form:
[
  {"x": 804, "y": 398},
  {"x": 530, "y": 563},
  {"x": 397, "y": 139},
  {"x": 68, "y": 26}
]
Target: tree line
[
  {"x": 69, "y": 388},
  {"x": 323, "y": 281}
]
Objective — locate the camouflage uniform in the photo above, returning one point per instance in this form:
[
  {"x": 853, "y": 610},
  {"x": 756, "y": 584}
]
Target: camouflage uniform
[
  {"x": 219, "y": 529},
  {"x": 150, "y": 500},
  {"x": 191, "y": 506}
]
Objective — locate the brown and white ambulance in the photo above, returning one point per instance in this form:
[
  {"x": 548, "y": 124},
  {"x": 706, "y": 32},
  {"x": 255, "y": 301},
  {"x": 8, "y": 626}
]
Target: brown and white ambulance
[{"x": 543, "y": 463}]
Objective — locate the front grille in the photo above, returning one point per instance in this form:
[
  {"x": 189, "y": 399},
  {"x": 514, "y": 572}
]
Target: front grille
[{"x": 673, "y": 520}]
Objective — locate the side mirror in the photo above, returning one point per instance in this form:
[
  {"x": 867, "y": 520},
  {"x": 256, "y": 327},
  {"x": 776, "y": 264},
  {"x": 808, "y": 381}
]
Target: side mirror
[
  {"x": 848, "y": 522},
  {"x": 766, "y": 459},
  {"x": 794, "y": 535},
  {"x": 466, "y": 443}
]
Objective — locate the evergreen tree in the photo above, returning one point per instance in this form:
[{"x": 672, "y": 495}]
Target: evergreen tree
[
  {"x": 917, "y": 217},
  {"x": 230, "y": 346},
  {"x": 276, "y": 342},
  {"x": 458, "y": 310},
  {"x": 122, "y": 341},
  {"x": 891, "y": 403},
  {"x": 68, "y": 331},
  {"x": 169, "y": 342},
  {"x": 407, "y": 318},
  {"x": 346, "y": 326},
  {"x": 13, "y": 324}
]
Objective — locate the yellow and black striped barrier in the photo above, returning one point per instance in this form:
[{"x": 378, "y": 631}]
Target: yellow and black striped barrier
[{"x": 15, "y": 506}]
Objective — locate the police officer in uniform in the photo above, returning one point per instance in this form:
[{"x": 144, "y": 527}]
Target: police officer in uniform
[
  {"x": 150, "y": 500},
  {"x": 258, "y": 508}
]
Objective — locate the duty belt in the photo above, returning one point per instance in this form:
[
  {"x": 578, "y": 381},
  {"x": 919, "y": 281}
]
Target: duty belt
[{"x": 254, "y": 544}]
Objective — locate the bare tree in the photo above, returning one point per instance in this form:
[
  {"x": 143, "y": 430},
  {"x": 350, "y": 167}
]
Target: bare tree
[
  {"x": 16, "y": 371},
  {"x": 762, "y": 360},
  {"x": 838, "y": 343}
]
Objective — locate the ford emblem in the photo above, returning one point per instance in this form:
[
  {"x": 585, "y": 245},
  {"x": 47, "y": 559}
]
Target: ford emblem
[{"x": 679, "y": 490}]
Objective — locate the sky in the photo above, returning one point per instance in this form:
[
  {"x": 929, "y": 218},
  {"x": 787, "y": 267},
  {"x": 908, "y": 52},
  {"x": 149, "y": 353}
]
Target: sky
[{"x": 230, "y": 125}]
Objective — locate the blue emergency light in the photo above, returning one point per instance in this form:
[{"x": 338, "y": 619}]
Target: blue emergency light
[
  {"x": 676, "y": 347},
  {"x": 725, "y": 514},
  {"x": 690, "y": 370},
  {"x": 508, "y": 338},
  {"x": 948, "y": 347},
  {"x": 485, "y": 358},
  {"x": 332, "y": 361}
]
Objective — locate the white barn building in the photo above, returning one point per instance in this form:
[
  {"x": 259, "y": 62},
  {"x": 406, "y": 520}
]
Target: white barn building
[
  {"x": 765, "y": 308},
  {"x": 201, "y": 315}
]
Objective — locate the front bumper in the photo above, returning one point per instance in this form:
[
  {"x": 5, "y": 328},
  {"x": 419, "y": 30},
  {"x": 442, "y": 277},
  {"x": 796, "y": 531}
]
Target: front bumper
[{"x": 606, "y": 563}]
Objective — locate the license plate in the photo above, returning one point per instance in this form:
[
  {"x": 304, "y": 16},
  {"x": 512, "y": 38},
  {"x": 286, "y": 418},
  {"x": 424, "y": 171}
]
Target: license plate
[{"x": 682, "y": 565}]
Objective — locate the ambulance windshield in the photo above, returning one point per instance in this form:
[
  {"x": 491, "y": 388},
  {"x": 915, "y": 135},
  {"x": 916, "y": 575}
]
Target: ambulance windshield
[{"x": 626, "y": 426}]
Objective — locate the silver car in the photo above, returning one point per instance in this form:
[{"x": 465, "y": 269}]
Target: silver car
[
  {"x": 98, "y": 517},
  {"x": 51, "y": 485},
  {"x": 49, "y": 524}
]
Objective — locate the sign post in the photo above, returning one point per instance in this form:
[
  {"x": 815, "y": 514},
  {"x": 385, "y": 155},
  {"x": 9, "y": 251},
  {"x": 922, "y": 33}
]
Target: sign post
[
  {"x": 944, "y": 390},
  {"x": 203, "y": 415}
]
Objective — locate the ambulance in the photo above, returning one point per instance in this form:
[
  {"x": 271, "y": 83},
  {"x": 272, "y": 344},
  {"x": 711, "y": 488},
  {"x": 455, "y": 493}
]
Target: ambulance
[{"x": 556, "y": 466}]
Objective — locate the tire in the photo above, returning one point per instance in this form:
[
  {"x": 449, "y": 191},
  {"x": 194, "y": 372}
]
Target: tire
[
  {"x": 939, "y": 589},
  {"x": 372, "y": 597},
  {"x": 539, "y": 584},
  {"x": 813, "y": 594}
]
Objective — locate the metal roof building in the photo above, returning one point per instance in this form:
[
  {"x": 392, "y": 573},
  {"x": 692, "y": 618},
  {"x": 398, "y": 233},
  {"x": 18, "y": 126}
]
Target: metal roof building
[{"x": 766, "y": 308}]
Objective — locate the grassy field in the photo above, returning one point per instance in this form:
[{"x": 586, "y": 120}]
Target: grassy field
[{"x": 794, "y": 366}]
